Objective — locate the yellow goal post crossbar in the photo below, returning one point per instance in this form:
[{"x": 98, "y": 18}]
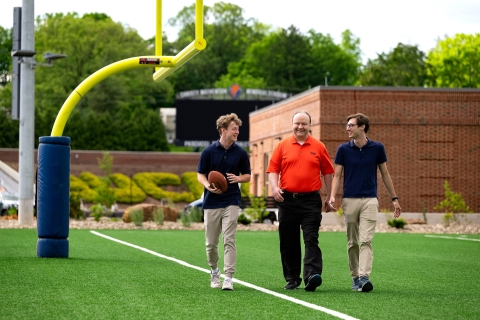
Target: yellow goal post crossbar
[{"x": 165, "y": 65}]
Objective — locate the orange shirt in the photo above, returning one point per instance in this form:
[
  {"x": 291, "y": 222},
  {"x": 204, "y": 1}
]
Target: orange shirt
[{"x": 299, "y": 166}]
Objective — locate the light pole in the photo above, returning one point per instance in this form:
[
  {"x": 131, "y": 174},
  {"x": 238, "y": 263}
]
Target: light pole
[{"x": 25, "y": 81}]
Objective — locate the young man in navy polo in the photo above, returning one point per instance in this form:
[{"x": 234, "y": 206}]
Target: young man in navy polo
[
  {"x": 221, "y": 208},
  {"x": 360, "y": 158}
]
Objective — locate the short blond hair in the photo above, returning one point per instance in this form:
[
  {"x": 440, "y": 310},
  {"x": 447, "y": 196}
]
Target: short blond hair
[{"x": 225, "y": 120}]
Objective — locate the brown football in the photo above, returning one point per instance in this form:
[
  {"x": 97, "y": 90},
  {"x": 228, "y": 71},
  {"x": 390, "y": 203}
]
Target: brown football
[{"x": 217, "y": 180}]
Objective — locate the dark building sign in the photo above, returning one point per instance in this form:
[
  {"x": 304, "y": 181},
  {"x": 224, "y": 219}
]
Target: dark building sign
[{"x": 196, "y": 119}]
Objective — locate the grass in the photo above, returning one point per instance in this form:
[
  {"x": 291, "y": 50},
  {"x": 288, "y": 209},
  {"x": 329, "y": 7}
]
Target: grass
[{"x": 414, "y": 277}]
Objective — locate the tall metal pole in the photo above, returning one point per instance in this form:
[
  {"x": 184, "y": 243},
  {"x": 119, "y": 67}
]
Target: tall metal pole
[{"x": 27, "y": 117}]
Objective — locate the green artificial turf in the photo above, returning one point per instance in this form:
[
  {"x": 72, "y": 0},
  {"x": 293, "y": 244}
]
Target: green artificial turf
[{"x": 414, "y": 277}]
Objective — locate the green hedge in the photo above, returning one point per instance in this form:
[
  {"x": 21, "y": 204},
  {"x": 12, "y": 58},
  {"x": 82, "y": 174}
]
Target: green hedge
[
  {"x": 92, "y": 180},
  {"x": 127, "y": 191},
  {"x": 149, "y": 182},
  {"x": 143, "y": 184},
  {"x": 79, "y": 186},
  {"x": 190, "y": 180}
]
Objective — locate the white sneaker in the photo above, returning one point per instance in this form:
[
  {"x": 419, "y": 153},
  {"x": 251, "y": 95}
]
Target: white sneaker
[
  {"x": 215, "y": 279},
  {"x": 227, "y": 284}
]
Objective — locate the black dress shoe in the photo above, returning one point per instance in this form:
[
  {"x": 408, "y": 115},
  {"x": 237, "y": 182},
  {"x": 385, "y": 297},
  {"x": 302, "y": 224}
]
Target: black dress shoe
[
  {"x": 314, "y": 281},
  {"x": 292, "y": 285}
]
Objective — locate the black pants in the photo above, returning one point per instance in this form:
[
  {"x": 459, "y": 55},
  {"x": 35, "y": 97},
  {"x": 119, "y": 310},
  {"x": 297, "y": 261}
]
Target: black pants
[{"x": 293, "y": 213}]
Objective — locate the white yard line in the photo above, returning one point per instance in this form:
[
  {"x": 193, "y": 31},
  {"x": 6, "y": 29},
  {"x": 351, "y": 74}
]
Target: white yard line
[
  {"x": 452, "y": 238},
  {"x": 246, "y": 284}
]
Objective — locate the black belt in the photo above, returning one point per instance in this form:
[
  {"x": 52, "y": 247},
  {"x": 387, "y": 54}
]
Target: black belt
[{"x": 297, "y": 195}]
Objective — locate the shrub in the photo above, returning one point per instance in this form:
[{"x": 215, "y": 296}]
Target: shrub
[
  {"x": 190, "y": 180},
  {"x": 397, "y": 223},
  {"x": 453, "y": 203},
  {"x": 127, "y": 191},
  {"x": 12, "y": 211},
  {"x": 150, "y": 182},
  {"x": 257, "y": 209},
  {"x": 158, "y": 215},
  {"x": 196, "y": 214},
  {"x": 245, "y": 189},
  {"x": 92, "y": 180},
  {"x": 447, "y": 218},
  {"x": 75, "y": 211},
  {"x": 243, "y": 219},
  {"x": 186, "y": 220},
  {"x": 84, "y": 190},
  {"x": 97, "y": 211},
  {"x": 137, "y": 216}
]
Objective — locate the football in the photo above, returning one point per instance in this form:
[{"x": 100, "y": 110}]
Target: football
[{"x": 217, "y": 180}]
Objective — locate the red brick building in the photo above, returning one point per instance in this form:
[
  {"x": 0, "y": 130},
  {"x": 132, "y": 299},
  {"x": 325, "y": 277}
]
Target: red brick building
[{"x": 430, "y": 135}]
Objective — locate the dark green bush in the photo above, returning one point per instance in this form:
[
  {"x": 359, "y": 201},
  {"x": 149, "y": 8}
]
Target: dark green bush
[
  {"x": 243, "y": 219},
  {"x": 397, "y": 223}
]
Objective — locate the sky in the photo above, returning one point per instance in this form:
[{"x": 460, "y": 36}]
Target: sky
[{"x": 380, "y": 24}]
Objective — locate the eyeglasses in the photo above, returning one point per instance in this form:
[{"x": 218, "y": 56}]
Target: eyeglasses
[{"x": 351, "y": 125}]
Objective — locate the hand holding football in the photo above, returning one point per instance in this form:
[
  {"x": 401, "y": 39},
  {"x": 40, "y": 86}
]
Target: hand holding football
[{"x": 217, "y": 180}]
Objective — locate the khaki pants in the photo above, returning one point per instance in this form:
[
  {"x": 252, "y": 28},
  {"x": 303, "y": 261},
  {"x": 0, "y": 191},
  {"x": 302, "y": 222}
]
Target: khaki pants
[
  {"x": 222, "y": 220},
  {"x": 360, "y": 218}
]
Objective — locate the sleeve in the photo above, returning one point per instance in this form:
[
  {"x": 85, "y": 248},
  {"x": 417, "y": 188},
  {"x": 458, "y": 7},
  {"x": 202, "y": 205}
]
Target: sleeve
[
  {"x": 275, "y": 163},
  {"x": 202, "y": 163},
  {"x": 382, "y": 155},
  {"x": 326, "y": 166},
  {"x": 339, "y": 157},
  {"x": 245, "y": 164}
]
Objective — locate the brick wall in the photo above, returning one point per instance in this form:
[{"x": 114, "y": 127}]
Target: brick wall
[
  {"x": 430, "y": 135},
  {"x": 124, "y": 162}
]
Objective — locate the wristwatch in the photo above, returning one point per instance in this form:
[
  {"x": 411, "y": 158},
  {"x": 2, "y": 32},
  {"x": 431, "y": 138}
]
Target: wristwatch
[{"x": 394, "y": 198}]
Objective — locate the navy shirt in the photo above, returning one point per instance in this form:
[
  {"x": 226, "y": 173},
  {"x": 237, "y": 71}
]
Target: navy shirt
[
  {"x": 233, "y": 160},
  {"x": 360, "y": 168}
]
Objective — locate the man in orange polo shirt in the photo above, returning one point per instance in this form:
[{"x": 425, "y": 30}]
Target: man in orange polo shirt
[{"x": 294, "y": 176}]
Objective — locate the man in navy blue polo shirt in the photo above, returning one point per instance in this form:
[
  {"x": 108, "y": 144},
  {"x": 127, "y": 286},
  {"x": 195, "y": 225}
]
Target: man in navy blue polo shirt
[
  {"x": 360, "y": 158},
  {"x": 221, "y": 208}
]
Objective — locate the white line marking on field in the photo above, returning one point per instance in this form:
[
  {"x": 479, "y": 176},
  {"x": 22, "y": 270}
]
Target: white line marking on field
[
  {"x": 246, "y": 284},
  {"x": 452, "y": 238}
]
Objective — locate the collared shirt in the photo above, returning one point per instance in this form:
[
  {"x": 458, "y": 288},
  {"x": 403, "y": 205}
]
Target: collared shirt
[
  {"x": 232, "y": 160},
  {"x": 360, "y": 168},
  {"x": 300, "y": 166}
]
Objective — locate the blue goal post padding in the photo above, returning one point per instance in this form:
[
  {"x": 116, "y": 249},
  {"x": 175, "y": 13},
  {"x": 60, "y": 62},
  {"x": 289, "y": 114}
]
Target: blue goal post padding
[{"x": 53, "y": 196}]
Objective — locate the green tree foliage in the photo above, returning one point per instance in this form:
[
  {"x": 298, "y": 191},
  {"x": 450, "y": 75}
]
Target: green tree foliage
[
  {"x": 228, "y": 36},
  {"x": 291, "y": 61},
  {"x": 5, "y": 57},
  {"x": 403, "y": 66},
  {"x": 120, "y": 113},
  {"x": 9, "y": 128},
  {"x": 455, "y": 62}
]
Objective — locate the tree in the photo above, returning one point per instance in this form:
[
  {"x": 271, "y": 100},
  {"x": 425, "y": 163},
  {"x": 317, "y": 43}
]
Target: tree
[
  {"x": 228, "y": 35},
  {"x": 291, "y": 61},
  {"x": 403, "y": 66},
  {"x": 92, "y": 42},
  {"x": 5, "y": 57},
  {"x": 341, "y": 63},
  {"x": 455, "y": 62}
]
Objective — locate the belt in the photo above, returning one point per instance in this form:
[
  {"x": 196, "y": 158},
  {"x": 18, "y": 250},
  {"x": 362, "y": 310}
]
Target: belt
[{"x": 297, "y": 195}]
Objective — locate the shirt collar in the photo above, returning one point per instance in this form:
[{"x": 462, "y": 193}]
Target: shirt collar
[
  {"x": 219, "y": 145},
  {"x": 351, "y": 143},
  {"x": 293, "y": 140}
]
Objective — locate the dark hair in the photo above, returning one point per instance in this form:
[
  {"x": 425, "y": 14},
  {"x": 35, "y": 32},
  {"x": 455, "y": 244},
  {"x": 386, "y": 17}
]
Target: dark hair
[
  {"x": 303, "y": 111},
  {"x": 361, "y": 120},
  {"x": 224, "y": 121}
]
